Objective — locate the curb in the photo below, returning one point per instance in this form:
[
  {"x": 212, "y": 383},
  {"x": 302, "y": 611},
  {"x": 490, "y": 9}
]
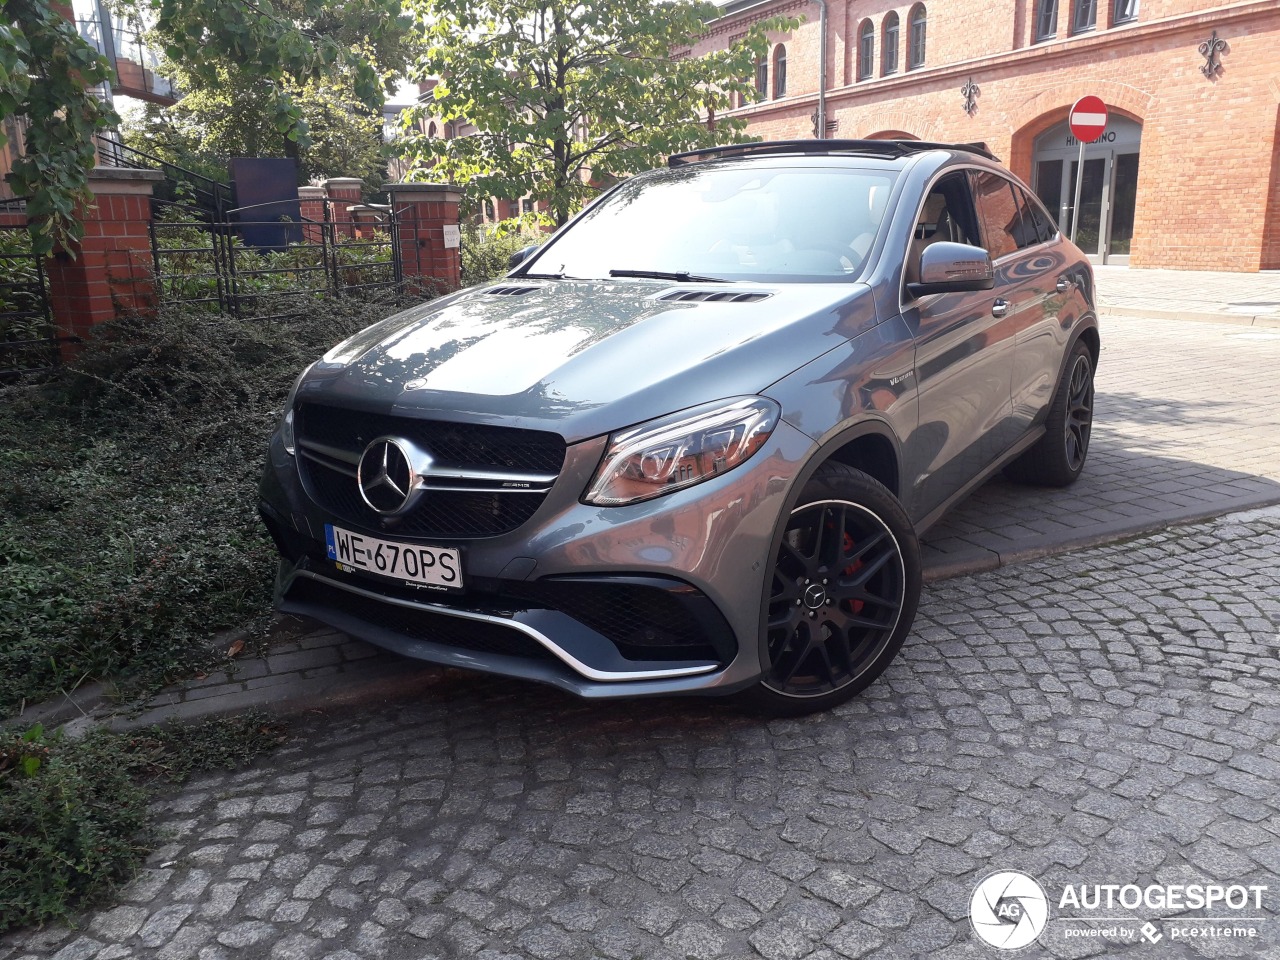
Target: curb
[
  {"x": 1264, "y": 321},
  {"x": 983, "y": 560}
]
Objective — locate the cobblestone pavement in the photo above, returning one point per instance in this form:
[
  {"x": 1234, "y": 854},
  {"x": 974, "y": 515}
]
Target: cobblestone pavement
[
  {"x": 1107, "y": 717},
  {"x": 1184, "y": 427}
]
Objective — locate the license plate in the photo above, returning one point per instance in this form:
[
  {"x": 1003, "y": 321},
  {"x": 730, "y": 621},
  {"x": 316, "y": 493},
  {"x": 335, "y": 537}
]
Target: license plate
[{"x": 411, "y": 563}]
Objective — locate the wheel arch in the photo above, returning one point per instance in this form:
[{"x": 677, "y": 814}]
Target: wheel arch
[{"x": 851, "y": 446}]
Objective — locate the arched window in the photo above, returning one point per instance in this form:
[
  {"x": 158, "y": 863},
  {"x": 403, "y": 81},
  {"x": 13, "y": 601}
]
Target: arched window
[
  {"x": 866, "y": 49},
  {"x": 762, "y": 78},
  {"x": 1046, "y": 19},
  {"x": 780, "y": 72},
  {"x": 915, "y": 49},
  {"x": 431, "y": 131},
  {"x": 889, "y": 45}
]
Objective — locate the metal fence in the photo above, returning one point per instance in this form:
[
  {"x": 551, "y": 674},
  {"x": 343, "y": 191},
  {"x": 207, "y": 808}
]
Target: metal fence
[
  {"x": 210, "y": 263},
  {"x": 28, "y": 338}
]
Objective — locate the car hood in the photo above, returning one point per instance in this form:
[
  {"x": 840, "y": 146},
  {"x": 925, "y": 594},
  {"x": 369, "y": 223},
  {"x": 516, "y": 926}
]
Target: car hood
[{"x": 583, "y": 358}]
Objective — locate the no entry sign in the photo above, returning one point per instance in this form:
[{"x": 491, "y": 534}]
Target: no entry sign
[{"x": 1088, "y": 119}]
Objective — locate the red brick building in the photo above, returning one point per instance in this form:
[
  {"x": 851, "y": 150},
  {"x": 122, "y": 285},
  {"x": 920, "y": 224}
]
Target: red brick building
[{"x": 1187, "y": 174}]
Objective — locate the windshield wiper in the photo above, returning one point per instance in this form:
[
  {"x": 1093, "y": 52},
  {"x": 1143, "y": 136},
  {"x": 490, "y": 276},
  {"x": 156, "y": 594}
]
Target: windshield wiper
[
  {"x": 542, "y": 276},
  {"x": 665, "y": 275}
]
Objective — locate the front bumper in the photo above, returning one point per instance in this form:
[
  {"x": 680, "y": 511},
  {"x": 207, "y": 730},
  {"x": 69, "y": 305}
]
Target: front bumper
[{"x": 656, "y": 598}]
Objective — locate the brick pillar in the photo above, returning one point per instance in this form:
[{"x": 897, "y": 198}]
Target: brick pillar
[
  {"x": 311, "y": 203},
  {"x": 112, "y": 271},
  {"x": 428, "y": 259},
  {"x": 368, "y": 218},
  {"x": 343, "y": 194}
]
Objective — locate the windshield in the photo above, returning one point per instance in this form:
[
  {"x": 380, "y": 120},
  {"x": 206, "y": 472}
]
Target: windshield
[{"x": 726, "y": 223}]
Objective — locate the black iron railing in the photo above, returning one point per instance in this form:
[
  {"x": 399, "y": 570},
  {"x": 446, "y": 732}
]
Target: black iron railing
[
  {"x": 212, "y": 198},
  {"x": 208, "y": 263},
  {"x": 28, "y": 338}
]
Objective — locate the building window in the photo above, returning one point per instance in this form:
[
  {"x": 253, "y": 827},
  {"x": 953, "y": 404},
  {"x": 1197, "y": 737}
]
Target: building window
[
  {"x": 431, "y": 130},
  {"x": 780, "y": 72},
  {"x": 915, "y": 51},
  {"x": 1124, "y": 11},
  {"x": 762, "y": 78},
  {"x": 1047, "y": 19},
  {"x": 889, "y": 48},
  {"x": 866, "y": 49},
  {"x": 1086, "y": 16}
]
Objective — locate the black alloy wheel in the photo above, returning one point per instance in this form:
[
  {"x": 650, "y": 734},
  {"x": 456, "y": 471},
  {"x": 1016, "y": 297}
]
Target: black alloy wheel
[
  {"x": 1079, "y": 418},
  {"x": 842, "y": 593},
  {"x": 1058, "y": 457}
]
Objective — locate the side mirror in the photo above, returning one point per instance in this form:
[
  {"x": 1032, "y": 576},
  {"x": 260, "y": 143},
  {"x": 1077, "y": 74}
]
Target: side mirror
[
  {"x": 520, "y": 256},
  {"x": 947, "y": 267}
]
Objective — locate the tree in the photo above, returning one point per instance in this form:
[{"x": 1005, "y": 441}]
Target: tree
[
  {"x": 570, "y": 93},
  {"x": 209, "y": 125},
  {"x": 46, "y": 71}
]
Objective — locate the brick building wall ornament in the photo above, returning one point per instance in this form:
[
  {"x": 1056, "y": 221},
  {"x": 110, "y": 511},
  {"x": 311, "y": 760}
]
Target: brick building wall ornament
[
  {"x": 1212, "y": 50},
  {"x": 970, "y": 92}
]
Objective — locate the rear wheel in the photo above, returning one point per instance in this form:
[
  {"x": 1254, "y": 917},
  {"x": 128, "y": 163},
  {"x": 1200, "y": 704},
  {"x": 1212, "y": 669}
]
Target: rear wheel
[
  {"x": 1058, "y": 457},
  {"x": 842, "y": 594}
]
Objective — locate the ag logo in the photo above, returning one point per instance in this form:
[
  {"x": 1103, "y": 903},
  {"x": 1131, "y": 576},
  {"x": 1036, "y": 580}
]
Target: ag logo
[{"x": 1008, "y": 910}]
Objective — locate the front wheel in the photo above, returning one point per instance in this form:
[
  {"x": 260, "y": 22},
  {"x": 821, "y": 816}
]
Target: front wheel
[{"x": 841, "y": 596}]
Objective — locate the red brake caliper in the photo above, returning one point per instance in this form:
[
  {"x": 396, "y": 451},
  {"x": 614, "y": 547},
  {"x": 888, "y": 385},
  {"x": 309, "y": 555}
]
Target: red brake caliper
[{"x": 854, "y": 605}]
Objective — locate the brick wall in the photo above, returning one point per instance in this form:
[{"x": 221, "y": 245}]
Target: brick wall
[
  {"x": 1209, "y": 153},
  {"x": 1271, "y": 232}
]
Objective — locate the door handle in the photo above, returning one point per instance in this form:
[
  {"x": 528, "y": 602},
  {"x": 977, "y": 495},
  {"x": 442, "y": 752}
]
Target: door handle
[
  {"x": 1064, "y": 284},
  {"x": 1000, "y": 308}
]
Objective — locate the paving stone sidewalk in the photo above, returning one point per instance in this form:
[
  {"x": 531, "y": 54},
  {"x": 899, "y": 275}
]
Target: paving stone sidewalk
[
  {"x": 1108, "y": 717},
  {"x": 1238, "y": 298}
]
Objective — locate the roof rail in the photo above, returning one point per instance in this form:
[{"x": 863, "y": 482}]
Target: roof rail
[{"x": 876, "y": 148}]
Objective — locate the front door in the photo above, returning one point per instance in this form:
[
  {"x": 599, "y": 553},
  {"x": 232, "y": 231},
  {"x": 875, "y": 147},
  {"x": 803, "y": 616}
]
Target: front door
[{"x": 964, "y": 362}]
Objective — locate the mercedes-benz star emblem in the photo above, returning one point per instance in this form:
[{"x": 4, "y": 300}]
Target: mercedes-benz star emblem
[{"x": 386, "y": 476}]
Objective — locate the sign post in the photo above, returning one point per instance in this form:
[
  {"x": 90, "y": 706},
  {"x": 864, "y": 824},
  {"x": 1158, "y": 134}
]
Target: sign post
[{"x": 1088, "y": 119}]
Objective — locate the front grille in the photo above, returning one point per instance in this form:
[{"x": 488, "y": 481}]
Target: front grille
[
  {"x": 439, "y": 513},
  {"x": 478, "y": 636},
  {"x": 462, "y": 445},
  {"x": 453, "y": 514}
]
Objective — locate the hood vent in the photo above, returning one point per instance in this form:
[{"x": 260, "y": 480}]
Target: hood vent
[
  {"x": 713, "y": 296},
  {"x": 510, "y": 290}
]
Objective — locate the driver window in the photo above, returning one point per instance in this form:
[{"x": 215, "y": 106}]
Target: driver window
[{"x": 947, "y": 215}]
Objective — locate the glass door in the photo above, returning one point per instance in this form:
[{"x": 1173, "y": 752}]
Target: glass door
[
  {"x": 1090, "y": 231},
  {"x": 1124, "y": 199}
]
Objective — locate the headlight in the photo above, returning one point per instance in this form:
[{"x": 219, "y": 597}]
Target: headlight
[
  {"x": 682, "y": 449},
  {"x": 286, "y": 424},
  {"x": 286, "y": 433}
]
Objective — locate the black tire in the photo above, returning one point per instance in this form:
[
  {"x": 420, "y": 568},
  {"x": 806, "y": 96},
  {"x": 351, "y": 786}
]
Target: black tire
[
  {"x": 842, "y": 595},
  {"x": 1059, "y": 456}
]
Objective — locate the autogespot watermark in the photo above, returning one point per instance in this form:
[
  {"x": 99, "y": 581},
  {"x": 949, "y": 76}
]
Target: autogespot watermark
[{"x": 1010, "y": 910}]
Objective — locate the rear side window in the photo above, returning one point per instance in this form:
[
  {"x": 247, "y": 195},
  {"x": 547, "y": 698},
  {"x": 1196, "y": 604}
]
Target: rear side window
[
  {"x": 1046, "y": 229},
  {"x": 999, "y": 213}
]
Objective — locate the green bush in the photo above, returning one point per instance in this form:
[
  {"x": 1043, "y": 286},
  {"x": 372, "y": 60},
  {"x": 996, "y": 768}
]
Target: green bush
[
  {"x": 72, "y": 820},
  {"x": 486, "y": 257},
  {"x": 73, "y": 813},
  {"x": 128, "y": 526}
]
